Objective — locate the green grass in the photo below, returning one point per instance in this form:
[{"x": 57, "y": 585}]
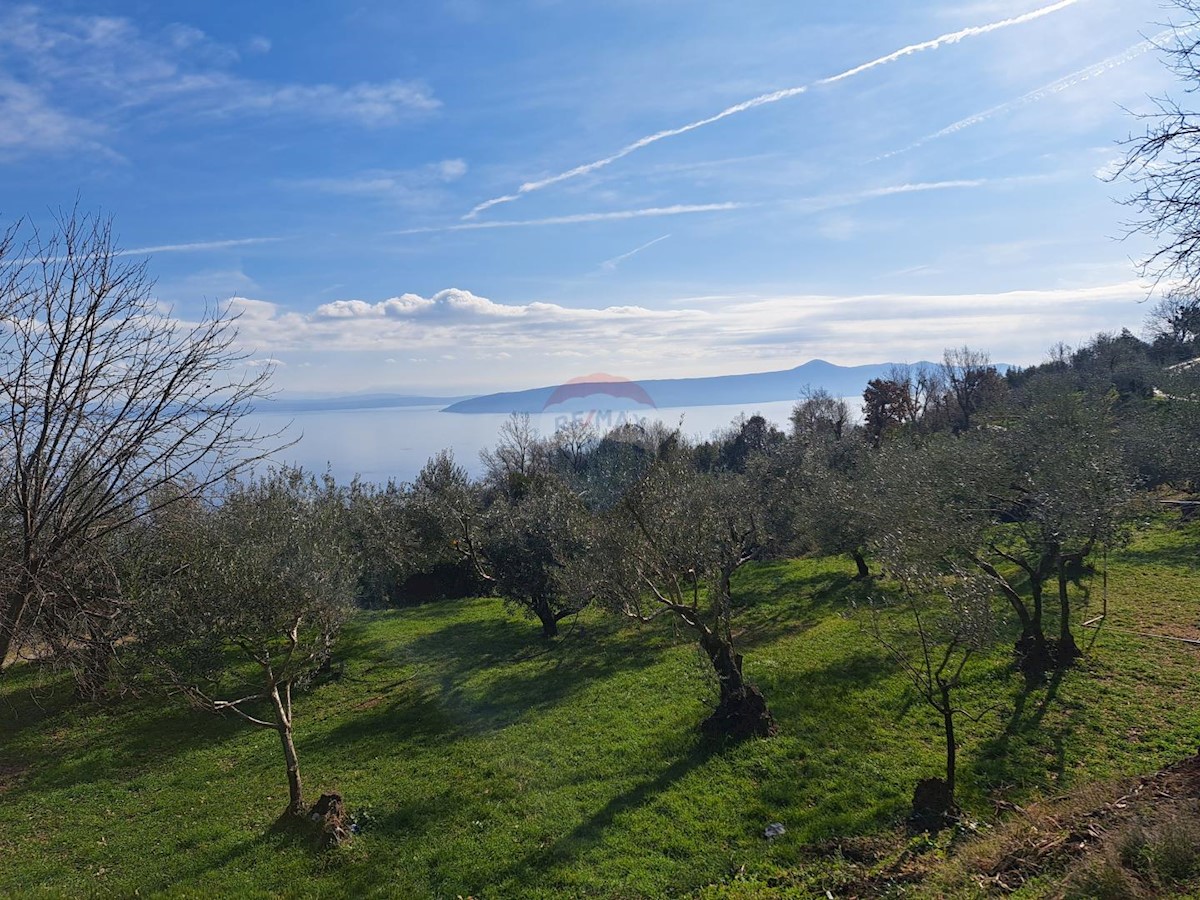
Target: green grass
[{"x": 485, "y": 763}]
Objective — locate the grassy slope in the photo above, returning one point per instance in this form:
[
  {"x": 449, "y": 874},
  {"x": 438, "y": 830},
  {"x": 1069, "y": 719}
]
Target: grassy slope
[{"x": 487, "y": 767}]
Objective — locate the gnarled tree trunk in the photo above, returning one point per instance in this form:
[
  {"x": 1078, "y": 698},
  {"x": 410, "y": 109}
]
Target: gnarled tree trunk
[
  {"x": 742, "y": 710},
  {"x": 1032, "y": 646}
]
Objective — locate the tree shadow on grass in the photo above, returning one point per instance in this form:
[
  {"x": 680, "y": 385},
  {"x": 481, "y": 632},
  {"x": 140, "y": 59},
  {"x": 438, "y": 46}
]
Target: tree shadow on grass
[
  {"x": 480, "y": 676},
  {"x": 138, "y": 737},
  {"x": 31, "y": 693},
  {"x": 539, "y": 867},
  {"x": 1016, "y": 756},
  {"x": 284, "y": 835},
  {"x": 124, "y": 737},
  {"x": 813, "y": 701},
  {"x": 786, "y": 583},
  {"x": 1172, "y": 555},
  {"x": 777, "y": 602},
  {"x": 407, "y": 715}
]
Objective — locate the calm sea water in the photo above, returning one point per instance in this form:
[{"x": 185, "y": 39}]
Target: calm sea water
[{"x": 380, "y": 444}]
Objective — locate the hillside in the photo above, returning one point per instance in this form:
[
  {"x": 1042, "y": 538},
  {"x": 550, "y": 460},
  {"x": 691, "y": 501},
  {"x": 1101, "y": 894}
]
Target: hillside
[
  {"x": 481, "y": 762},
  {"x": 756, "y": 387}
]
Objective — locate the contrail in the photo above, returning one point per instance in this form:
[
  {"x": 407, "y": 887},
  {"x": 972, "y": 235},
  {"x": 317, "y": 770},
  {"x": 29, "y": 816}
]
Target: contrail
[
  {"x": 193, "y": 247},
  {"x": 197, "y": 246},
  {"x": 611, "y": 264},
  {"x": 577, "y": 218},
  {"x": 952, "y": 37},
  {"x": 1048, "y": 90}
]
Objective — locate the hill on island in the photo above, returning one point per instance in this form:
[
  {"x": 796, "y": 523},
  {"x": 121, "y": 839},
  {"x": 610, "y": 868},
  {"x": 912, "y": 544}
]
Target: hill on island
[{"x": 720, "y": 390}]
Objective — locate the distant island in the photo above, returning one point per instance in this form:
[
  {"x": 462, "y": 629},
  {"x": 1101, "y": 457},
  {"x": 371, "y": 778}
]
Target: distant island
[
  {"x": 720, "y": 390},
  {"x": 285, "y": 404},
  {"x": 610, "y": 392}
]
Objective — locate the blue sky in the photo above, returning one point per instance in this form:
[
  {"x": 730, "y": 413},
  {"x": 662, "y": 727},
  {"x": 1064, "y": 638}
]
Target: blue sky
[{"x": 328, "y": 168}]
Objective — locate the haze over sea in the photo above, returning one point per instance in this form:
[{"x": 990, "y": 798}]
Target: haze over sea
[{"x": 382, "y": 444}]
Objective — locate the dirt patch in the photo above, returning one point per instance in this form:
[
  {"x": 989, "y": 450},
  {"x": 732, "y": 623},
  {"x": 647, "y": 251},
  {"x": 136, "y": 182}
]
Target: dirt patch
[
  {"x": 1132, "y": 838},
  {"x": 10, "y": 775}
]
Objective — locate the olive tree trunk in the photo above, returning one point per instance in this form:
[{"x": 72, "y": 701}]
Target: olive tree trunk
[
  {"x": 283, "y": 720},
  {"x": 1068, "y": 650},
  {"x": 546, "y": 616},
  {"x": 742, "y": 710}
]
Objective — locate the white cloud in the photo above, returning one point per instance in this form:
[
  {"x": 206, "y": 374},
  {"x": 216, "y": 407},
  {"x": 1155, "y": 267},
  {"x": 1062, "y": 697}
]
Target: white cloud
[
  {"x": 451, "y": 169},
  {"x": 1014, "y": 325},
  {"x": 371, "y": 105},
  {"x": 408, "y": 187},
  {"x": 444, "y": 305},
  {"x": 28, "y": 121},
  {"x": 70, "y": 79}
]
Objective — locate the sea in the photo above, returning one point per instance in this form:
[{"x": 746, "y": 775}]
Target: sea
[{"x": 392, "y": 444}]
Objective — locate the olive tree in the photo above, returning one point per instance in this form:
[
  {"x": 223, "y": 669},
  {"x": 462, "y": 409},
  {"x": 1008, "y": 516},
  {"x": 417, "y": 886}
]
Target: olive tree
[
  {"x": 670, "y": 546},
  {"x": 1038, "y": 494},
  {"x": 520, "y": 540},
  {"x": 106, "y": 401},
  {"x": 515, "y": 529},
  {"x": 1065, "y": 493},
  {"x": 240, "y": 605},
  {"x": 943, "y": 618},
  {"x": 828, "y": 463}
]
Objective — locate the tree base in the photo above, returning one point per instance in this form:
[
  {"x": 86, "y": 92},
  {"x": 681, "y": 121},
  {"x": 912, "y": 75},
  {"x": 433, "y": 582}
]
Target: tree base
[
  {"x": 331, "y": 821},
  {"x": 1034, "y": 657},
  {"x": 932, "y": 804},
  {"x": 742, "y": 714},
  {"x": 1066, "y": 652}
]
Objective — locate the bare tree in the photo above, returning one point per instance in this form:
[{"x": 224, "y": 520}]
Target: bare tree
[
  {"x": 1163, "y": 162},
  {"x": 819, "y": 414},
  {"x": 265, "y": 578},
  {"x": 105, "y": 401},
  {"x": 571, "y": 444},
  {"x": 926, "y": 387},
  {"x": 972, "y": 382},
  {"x": 1173, "y": 326},
  {"x": 517, "y": 451}
]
